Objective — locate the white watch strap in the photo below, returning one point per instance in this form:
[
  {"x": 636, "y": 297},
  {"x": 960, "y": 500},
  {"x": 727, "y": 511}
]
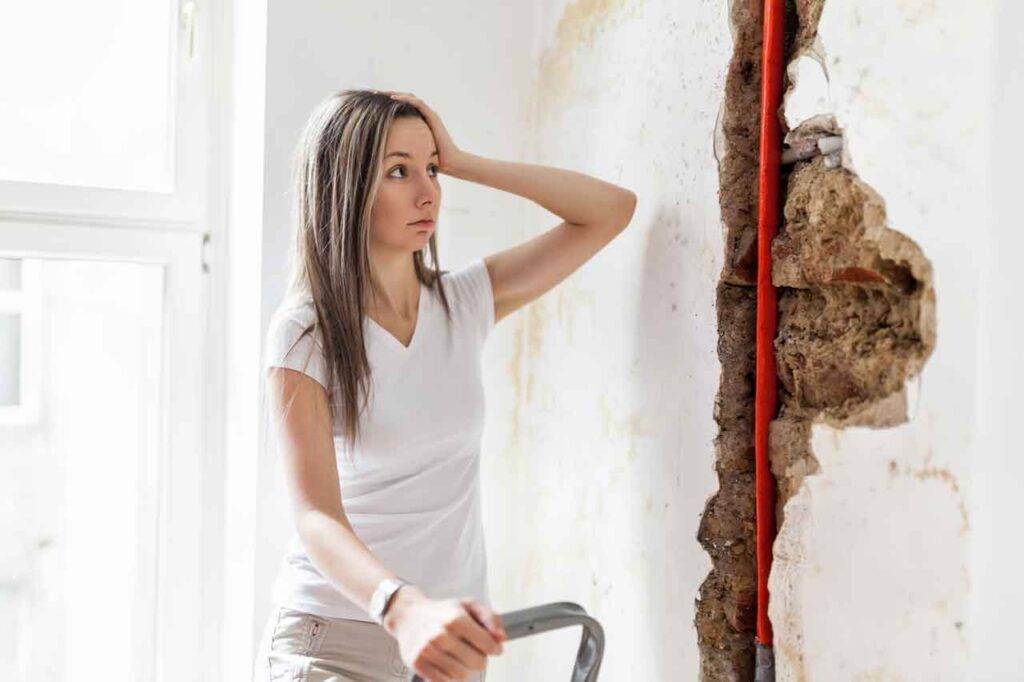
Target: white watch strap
[{"x": 382, "y": 597}]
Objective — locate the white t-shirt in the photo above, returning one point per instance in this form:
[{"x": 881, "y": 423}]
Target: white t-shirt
[{"x": 411, "y": 487}]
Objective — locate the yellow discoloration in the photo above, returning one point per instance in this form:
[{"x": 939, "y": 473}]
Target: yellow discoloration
[
  {"x": 877, "y": 674},
  {"x": 570, "y": 299},
  {"x": 536, "y": 323},
  {"x": 629, "y": 428},
  {"x": 527, "y": 343},
  {"x": 578, "y": 28},
  {"x": 793, "y": 657},
  {"x": 940, "y": 474},
  {"x": 515, "y": 370}
]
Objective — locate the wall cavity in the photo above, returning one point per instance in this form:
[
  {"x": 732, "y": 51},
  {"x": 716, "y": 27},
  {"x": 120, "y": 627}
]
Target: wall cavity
[
  {"x": 725, "y": 609},
  {"x": 856, "y": 320}
]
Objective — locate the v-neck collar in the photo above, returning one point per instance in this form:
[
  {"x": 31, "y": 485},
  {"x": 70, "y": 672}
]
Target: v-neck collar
[{"x": 390, "y": 339}]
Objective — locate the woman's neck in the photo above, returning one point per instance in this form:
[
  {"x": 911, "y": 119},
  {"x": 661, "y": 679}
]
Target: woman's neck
[{"x": 398, "y": 288}]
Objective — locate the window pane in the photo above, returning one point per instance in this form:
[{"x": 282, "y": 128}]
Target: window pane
[
  {"x": 10, "y": 274},
  {"x": 10, "y": 359},
  {"x": 86, "y": 93},
  {"x": 77, "y": 492}
]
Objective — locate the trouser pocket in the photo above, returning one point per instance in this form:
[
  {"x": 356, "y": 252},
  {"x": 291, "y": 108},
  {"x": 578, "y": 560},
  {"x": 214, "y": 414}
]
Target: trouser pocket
[
  {"x": 298, "y": 632},
  {"x": 295, "y": 637}
]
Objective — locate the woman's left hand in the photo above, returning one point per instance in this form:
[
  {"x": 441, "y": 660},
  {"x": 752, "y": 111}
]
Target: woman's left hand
[{"x": 447, "y": 151}]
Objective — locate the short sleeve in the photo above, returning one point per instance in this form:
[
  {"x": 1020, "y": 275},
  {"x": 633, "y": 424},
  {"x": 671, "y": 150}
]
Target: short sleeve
[
  {"x": 474, "y": 293},
  {"x": 287, "y": 346}
]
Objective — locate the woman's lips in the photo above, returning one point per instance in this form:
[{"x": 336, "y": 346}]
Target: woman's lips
[{"x": 424, "y": 223}]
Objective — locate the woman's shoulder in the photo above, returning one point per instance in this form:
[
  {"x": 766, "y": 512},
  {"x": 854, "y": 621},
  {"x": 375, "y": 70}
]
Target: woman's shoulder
[
  {"x": 471, "y": 277},
  {"x": 296, "y": 308},
  {"x": 469, "y": 287},
  {"x": 291, "y": 342},
  {"x": 289, "y": 322}
]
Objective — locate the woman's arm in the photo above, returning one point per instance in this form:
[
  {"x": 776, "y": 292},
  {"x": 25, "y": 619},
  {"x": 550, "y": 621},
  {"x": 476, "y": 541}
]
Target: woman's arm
[
  {"x": 311, "y": 474},
  {"x": 593, "y": 213},
  {"x": 577, "y": 198}
]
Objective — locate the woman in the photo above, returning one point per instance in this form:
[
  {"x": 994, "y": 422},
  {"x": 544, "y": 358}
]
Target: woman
[{"x": 375, "y": 356}]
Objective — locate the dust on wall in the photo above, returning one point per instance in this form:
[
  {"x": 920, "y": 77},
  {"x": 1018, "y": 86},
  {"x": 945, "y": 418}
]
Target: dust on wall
[{"x": 856, "y": 320}]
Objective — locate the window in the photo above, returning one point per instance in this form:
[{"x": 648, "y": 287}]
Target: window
[
  {"x": 90, "y": 103},
  {"x": 80, "y": 485}
]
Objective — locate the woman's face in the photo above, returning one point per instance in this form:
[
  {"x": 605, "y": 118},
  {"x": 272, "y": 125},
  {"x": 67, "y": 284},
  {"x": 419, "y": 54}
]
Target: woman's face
[{"x": 409, "y": 189}]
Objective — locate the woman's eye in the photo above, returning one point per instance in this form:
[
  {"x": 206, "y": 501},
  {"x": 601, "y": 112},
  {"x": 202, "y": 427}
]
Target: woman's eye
[{"x": 434, "y": 167}]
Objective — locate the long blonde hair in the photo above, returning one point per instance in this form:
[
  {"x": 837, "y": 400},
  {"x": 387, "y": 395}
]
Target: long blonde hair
[{"x": 337, "y": 171}]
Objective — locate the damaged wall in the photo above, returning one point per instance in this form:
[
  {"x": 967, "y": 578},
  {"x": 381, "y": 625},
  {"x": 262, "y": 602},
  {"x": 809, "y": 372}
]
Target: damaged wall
[
  {"x": 871, "y": 574},
  {"x": 879, "y": 264}
]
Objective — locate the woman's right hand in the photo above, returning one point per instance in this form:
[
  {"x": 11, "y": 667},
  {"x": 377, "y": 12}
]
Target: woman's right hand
[{"x": 443, "y": 640}]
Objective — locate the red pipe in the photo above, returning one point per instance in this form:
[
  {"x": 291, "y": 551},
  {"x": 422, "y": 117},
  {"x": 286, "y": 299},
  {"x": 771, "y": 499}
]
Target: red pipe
[{"x": 767, "y": 225}]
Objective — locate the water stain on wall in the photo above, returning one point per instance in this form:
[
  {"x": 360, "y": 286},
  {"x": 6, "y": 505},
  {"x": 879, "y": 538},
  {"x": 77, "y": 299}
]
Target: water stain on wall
[
  {"x": 579, "y": 28},
  {"x": 940, "y": 475},
  {"x": 530, "y": 334}
]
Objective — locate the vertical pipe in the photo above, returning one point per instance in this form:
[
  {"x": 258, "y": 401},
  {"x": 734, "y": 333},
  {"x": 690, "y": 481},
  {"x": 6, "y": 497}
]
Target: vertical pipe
[{"x": 765, "y": 387}]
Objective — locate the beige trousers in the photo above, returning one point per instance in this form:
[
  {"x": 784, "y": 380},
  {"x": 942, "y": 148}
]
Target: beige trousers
[{"x": 303, "y": 647}]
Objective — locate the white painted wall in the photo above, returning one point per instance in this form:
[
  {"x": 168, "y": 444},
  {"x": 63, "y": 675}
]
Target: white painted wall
[
  {"x": 598, "y": 446},
  {"x": 875, "y": 564}
]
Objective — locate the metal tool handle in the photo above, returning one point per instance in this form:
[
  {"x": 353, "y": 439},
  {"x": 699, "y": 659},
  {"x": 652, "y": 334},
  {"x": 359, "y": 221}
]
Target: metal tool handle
[{"x": 537, "y": 619}]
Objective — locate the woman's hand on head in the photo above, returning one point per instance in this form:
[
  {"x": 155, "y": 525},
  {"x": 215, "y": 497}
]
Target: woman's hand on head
[
  {"x": 447, "y": 151},
  {"x": 443, "y": 640}
]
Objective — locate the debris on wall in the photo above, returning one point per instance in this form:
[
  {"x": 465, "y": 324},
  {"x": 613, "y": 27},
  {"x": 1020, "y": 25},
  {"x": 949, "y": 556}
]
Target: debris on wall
[{"x": 856, "y": 320}]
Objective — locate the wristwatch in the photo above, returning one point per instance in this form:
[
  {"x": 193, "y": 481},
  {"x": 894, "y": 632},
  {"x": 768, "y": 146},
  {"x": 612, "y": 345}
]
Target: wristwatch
[{"x": 382, "y": 597}]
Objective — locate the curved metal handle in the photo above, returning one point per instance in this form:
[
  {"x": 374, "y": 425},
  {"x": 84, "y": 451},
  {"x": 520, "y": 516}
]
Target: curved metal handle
[{"x": 537, "y": 619}]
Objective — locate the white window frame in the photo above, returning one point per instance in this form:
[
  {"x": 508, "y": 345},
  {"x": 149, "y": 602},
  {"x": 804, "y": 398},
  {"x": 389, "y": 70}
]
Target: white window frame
[{"x": 25, "y": 302}]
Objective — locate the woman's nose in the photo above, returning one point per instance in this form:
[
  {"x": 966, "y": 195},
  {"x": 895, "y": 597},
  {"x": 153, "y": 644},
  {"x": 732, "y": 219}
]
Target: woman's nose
[{"x": 428, "y": 191}]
